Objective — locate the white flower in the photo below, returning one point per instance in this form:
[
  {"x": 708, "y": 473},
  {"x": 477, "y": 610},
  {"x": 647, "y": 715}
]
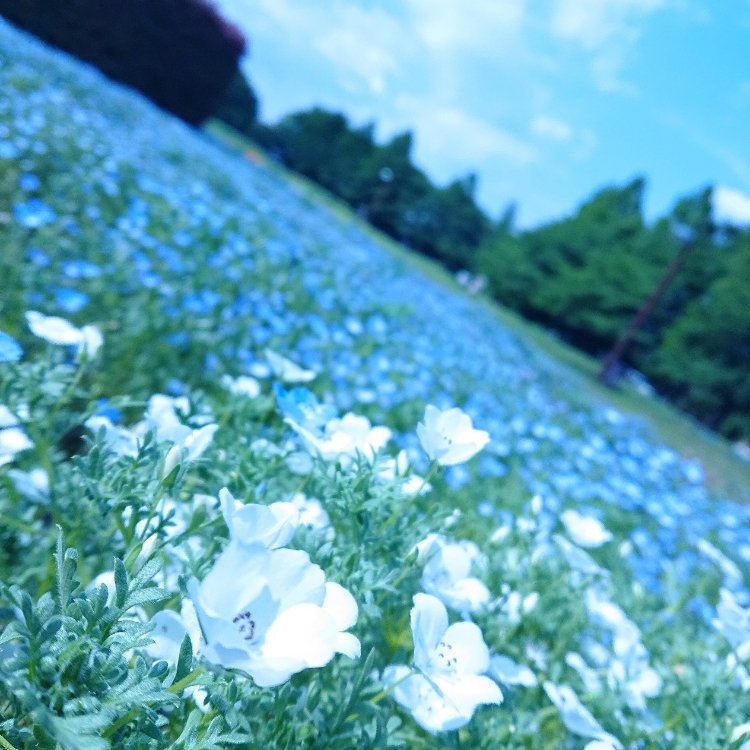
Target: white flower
[
  {"x": 396, "y": 470},
  {"x": 120, "y": 440},
  {"x": 578, "y": 559},
  {"x": 635, "y": 676},
  {"x": 32, "y": 484},
  {"x": 167, "y": 634},
  {"x": 90, "y": 342},
  {"x": 312, "y": 514},
  {"x": 576, "y": 717},
  {"x": 609, "y": 615},
  {"x": 271, "y": 614},
  {"x": 243, "y": 385},
  {"x": 345, "y": 438},
  {"x": 448, "y": 437},
  {"x": 510, "y": 672},
  {"x": 62, "y": 332},
  {"x": 169, "y": 630},
  {"x": 732, "y": 573},
  {"x": 288, "y": 371},
  {"x": 448, "y": 686},
  {"x": 740, "y": 731},
  {"x": 446, "y": 575},
  {"x": 162, "y": 417},
  {"x": 53, "y": 329},
  {"x": 13, "y": 440},
  {"x": 733, "y": 622},
  {"x": 270, "y": 525},
  {"x": 585, "y": 531},
  {"x": 588, "y": 676}
]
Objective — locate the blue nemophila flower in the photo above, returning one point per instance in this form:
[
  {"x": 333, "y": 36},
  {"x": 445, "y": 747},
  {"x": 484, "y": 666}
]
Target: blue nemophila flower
[
  {"x": 449, "y": 437},
  {"x": 38, "y": 257},
  {"x": 71, "y": 300},
  {"x": 449, "y": 684},
  {"x": 28, "y": 182},
  {"x": 10, "y": 350},
  {"x": 81, "y": 269},
  {"x": 302, "y": 407},
  {"x": 33, "y": 214}
]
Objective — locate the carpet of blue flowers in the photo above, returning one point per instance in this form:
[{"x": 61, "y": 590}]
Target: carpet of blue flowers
[{"x": 263, "y": 485}]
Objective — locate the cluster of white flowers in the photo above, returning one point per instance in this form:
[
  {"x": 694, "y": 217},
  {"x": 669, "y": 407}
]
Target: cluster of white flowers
[
  {"x": 170, "y": 421},
  {"x": 447, "y": 683},
  {"x": 446, "y": 574}
]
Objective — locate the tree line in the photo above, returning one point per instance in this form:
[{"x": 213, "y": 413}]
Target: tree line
[{"x": 584, "y": 276}]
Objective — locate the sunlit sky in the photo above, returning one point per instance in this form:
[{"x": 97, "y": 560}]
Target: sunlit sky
[{"x": 546, "y": 100}]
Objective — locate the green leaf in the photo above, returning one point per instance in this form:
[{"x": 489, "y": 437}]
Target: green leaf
[
  {"x": 66, "y": 563},
  {"x": 146, "y": 596},
  {"x": 121, "y": 583},
  {"x": 185, "y": 659}
]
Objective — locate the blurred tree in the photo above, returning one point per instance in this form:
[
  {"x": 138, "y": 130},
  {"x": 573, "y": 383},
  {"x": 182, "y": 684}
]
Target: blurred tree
[
  {"x": 704, "y": 359},
  {"x": 238, "y": 106},
  {"x": 180, "y": 53}
]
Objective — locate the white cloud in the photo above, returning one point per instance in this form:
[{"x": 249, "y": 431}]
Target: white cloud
[
  {"x": 731, "y": 206},
  {"x": 551, "y": 129},
  {"x": 606, "y": 30},
  {"x": 475, "y": 26},
  {"x": 364, "y": 50},
  {"x": 595, "y": 23},
  {"x": 448, "y": 133}
]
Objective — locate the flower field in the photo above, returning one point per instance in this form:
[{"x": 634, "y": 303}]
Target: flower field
[{"x": 263, "y": 485}]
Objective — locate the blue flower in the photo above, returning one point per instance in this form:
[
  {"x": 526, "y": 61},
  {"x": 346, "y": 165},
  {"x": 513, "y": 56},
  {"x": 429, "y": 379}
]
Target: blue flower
[
  {"x": 28, "y": 182},
  {"x": 71, "y": 300},
  {"x": 33, "y": 214},
  {"x": 10, "y": 351},
  {"x": 302, "y": 406}
]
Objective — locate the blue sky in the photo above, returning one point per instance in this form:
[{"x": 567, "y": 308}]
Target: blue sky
[{"x": 546, "y": 100}]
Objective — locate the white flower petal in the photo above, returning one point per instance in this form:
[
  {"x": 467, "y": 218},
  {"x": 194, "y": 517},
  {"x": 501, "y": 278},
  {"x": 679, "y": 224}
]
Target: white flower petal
[
  {"x": 585, "y": 531},
  {"x": 468, "y": 693},
  {"x": 270, "y": 525},
  {"x": 167, "y": 634},
  {"x": 429, "y": 620},
  {"x": 340, "y": 606},
  {"x": 197, "y": 441},
  {"x": 464, "y": 644},
  {"x": 53, "y": 329},
  {"x": 511, "y": 672},
  {"x": 287, "y": 370},
  {"x": 418, "y": 695}
]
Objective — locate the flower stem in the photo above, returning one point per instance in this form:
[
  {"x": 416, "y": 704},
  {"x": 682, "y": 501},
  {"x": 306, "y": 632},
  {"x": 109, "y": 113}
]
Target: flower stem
[
  {"x": 185, "y": 681},
  {"x": 385, "y": 692},
  {"x": 5, "y": 744}
]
